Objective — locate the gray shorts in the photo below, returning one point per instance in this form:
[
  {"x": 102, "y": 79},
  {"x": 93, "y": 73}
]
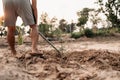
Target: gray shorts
[{"x": 15, "y": 8}]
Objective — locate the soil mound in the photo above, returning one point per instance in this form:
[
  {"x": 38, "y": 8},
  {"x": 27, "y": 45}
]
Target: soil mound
[
  {"x": 97, "y": 58},
  {"x": 78, "y": 65}
]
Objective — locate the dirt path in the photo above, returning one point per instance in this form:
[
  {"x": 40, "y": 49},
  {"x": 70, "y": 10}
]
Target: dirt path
[{"x": 111, "y": 44}]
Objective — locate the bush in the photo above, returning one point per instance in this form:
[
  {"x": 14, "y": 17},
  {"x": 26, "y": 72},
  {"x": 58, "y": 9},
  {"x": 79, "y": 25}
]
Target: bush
[
  {"x": 88, "y": 33},
  {"x": 106, "y": 31},
  {"x": 118, "y": 30},
  {"x": 77, "y": 35},
  {"x": 56, "y": 33},
  {"x": 19, "y": 31},
  {"x": 44, "y": 29},
  {"x": 115, "y": 30},
  {"x": 102, "y": 32}
]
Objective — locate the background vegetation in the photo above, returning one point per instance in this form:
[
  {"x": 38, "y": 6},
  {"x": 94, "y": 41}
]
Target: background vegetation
[{"x": 52, "y": 28}]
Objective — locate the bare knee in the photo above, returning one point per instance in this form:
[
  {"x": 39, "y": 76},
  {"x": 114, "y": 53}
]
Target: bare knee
[{"x": 33, "y": 26}]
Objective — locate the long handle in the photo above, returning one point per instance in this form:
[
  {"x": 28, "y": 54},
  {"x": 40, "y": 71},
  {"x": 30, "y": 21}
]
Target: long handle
[{"x": 58, "y": 52}]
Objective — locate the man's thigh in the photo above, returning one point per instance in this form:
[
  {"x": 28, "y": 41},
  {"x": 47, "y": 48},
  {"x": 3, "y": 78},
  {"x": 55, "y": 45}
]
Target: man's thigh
[
  {"x": 9, "y": 13},
  {"x": 26, "y": 13}
]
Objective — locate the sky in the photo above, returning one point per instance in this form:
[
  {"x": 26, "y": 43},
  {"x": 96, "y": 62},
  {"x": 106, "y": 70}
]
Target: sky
[
  {"x": 1, "y": 8},
  {"x": 64, "y": 8},
  {"x": 60, "y": 8}
]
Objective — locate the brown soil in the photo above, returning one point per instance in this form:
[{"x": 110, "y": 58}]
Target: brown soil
[{"x": 80, "y": 61}]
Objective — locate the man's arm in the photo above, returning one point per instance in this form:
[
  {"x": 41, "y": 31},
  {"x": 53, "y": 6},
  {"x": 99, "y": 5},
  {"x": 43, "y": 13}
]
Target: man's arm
[{"x": 34, "y": 6}]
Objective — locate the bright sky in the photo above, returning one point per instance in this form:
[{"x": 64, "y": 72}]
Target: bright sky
[
  {"x": 64, "y": 8},
  {"x": 1, "y": 8},
  {"x": 61, "y": 8}
]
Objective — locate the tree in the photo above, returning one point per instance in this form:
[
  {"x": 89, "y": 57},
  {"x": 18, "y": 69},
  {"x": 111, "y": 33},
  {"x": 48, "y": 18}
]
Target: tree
[
  {"x": 70, "y": 27},
  {"x": 63, "y": 25},
  {"x": 94, "y": 18},
  {"x": 53, "y": 23},
  {"x": 83, "y": 16},
  {"x": 111, "y": 8},
  {"x": 44, "y": 24}
]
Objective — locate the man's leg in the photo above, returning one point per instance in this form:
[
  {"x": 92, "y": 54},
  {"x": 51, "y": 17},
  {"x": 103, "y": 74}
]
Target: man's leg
[
  {"x": 11, "y": 39},
  {"x": 34, "y": 38}
]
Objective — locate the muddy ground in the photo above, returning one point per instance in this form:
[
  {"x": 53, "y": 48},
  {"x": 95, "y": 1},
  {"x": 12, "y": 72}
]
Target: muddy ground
[{"x": 82, "y": 59}]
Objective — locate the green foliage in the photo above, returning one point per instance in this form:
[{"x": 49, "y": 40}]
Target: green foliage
[
  {"x": 62, "y": 25},
  {"x": 89, "y": 33},
  {"x": 44, "y": 29},
  {"x": 107, "y": 31},
  {"x": 83, "y": 16},
  {"x": 115, "y": 30},
  {"x": 113, "y": 18},
  {"x": 111, "y": 10},
  {"x": 77, "y": 35},
  {"x": 20, "y": 39},
  {"x": 20, "y": 35},
  {"x": 102, "y": 32},
  {"x": 70, "y": 28},
  {"x": 84, "y": 12},
  {"x": 118, "y": 30},
  {"x": 82, "y": 20},
  {"x": 57, "y": 33}
]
